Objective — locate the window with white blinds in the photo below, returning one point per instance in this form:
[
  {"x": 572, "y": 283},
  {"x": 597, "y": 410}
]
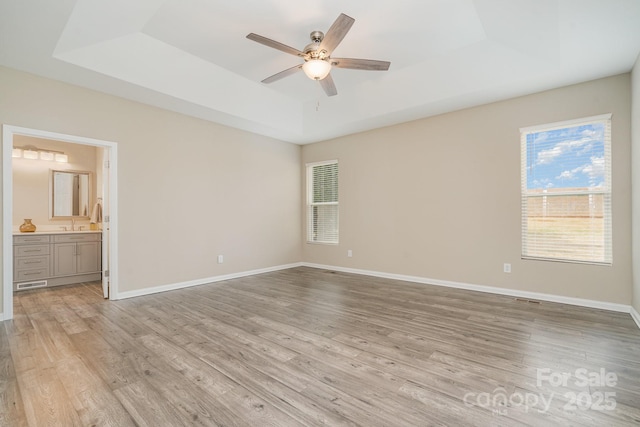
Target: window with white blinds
[
  {"x": 322, "y": 202},
  {"x": 566, "y": 191}
]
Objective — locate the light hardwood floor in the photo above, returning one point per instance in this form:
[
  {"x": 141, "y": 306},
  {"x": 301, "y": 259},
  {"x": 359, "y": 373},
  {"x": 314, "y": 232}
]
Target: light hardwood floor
[{"x": 313, "y": 347}]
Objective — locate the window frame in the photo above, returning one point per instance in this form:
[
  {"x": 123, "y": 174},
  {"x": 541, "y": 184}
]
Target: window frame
[
  {"x": 605, "y": 191},
  {"x": 310, "y": 204}
]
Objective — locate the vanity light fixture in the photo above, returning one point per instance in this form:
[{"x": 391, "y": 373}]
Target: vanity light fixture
[
  {"x": 46, "y": 155},
  {"x": 32, "y": 153}
]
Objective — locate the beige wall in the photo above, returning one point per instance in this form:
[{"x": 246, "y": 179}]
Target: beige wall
[
  {"x": 436, "y": 198},
  {"x": 188, "y": 189},
  {"x": 31, "y": 180},
  {"x": 439, "y": 197},
  {"x": 635, "y": 151}
]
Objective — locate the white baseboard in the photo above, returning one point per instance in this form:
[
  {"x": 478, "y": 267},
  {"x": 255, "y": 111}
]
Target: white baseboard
[
  {"x": 480, "y": 288},
  {"x": 415, "y": 279},
  {"x": 635, "y": 315},
  {"x": 197, "y": 282}
]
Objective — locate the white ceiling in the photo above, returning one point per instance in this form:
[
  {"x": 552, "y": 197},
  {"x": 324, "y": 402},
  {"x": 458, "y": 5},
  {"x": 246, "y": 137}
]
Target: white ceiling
[{"x": 191, "y": 56}]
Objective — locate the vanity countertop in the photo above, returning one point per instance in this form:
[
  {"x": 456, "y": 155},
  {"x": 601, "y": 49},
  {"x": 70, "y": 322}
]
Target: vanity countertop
[{"x": 18, "y": 233}]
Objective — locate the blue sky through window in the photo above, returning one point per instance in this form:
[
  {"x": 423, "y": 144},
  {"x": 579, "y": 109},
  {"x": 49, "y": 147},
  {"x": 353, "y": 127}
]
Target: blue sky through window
[{"x": 571, "y": 157}]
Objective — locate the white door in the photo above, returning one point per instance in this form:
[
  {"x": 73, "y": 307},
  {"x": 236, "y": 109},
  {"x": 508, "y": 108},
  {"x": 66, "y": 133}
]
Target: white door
[{"x": 105, "y": 221}]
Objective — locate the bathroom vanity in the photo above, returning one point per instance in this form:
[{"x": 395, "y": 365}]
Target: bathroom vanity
[{"x": 44, "y": 259}]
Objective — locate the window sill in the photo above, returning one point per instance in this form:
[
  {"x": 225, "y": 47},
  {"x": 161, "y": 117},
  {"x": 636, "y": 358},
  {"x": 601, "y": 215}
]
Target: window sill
[{"x": 567, "y": 261}]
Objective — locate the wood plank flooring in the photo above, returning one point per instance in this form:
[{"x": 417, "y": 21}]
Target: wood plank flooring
[{"x": 307, "y": 347}]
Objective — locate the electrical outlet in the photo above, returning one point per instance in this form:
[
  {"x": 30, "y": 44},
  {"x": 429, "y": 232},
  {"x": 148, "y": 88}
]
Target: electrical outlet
[
  {"x": 507, "y": 268},
  {"x": 349, "y": 253},
  {"x": 220, "y": 259}
]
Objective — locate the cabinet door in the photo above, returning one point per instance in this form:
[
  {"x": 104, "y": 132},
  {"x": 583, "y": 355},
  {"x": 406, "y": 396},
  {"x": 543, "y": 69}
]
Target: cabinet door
[
  {"x": 64, "y": 259},
  {"x": 89, "y": 257}
]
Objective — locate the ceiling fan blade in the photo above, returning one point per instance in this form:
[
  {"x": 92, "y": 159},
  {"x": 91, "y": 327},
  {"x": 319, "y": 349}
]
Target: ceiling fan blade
[
  {"x": 360, "y": 64},
  {"x": 329, "y": 86},
  {"x": 282, "y": 74},
  {"x": 274, "y": 44},
  {"x": 336, "y": 33}
]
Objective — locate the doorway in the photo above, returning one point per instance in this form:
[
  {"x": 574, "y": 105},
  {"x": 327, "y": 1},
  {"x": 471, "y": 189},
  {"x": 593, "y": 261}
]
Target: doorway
[{"x": 110, "y": 223}]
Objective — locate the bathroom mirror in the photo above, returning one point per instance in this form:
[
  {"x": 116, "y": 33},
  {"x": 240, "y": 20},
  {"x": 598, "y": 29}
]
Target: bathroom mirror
[{"x": 70, "y": 194}]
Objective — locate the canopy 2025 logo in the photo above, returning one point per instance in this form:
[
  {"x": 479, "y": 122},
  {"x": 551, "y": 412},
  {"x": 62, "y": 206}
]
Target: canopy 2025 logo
[{"x": 546, "y": 378}]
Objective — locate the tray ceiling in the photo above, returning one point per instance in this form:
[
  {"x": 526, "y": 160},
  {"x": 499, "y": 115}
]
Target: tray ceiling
[{"x": 192, "y": 57}]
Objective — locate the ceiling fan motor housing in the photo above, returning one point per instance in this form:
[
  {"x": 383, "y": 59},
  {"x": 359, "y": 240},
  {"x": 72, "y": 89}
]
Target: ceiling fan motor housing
[
  {"x": 316, "y": 36},
  {"x": 312, "y": 50}
]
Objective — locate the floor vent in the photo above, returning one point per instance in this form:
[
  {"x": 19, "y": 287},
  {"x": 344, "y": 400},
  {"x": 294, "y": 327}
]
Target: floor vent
[
  {"x": 31, "y": 285},
  {"x": 527, "y": 300}
]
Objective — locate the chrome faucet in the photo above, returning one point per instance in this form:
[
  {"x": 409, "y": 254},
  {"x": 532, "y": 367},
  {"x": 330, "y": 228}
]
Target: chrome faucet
[{"x": 73, "y": 224}]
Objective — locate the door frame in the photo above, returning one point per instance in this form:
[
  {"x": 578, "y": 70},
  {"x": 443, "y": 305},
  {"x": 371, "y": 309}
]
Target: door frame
[{"x": 111, "y": 155}]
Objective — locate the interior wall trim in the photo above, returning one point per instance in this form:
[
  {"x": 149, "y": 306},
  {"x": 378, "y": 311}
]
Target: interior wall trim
[
  {"x": 635, "y": 315},
  {"x": 603, "y": 305},
  {"x": 204, "y": 281}
]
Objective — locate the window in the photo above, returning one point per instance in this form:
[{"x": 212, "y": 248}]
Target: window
[
  {"x": 566, "y": 191},
  {"x": 322, "y": 202}
]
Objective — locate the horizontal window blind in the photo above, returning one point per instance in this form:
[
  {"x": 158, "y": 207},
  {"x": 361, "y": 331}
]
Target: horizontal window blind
[
  {"x": 566, "y": 191},
  {"x": 322, "y": 202}
]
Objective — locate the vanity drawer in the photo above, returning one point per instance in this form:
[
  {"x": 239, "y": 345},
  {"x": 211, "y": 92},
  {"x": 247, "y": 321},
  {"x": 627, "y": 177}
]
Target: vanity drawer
[
  {"x": 36, "y": 273},
  {"x": 31, "y": 250},
  {"x": 18, "y": 240},
  {"x": 72, "y": 238},
  {"x": 32, "y": 262}
]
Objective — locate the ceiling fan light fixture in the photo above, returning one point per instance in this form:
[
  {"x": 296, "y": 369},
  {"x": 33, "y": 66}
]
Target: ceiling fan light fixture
[
  {"x": 316, "y": 69},
  {"x": 317, "y": 55}
]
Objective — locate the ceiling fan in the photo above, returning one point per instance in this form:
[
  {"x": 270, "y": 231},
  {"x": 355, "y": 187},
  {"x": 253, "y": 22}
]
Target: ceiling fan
[{"x": 317, "y": 55}]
